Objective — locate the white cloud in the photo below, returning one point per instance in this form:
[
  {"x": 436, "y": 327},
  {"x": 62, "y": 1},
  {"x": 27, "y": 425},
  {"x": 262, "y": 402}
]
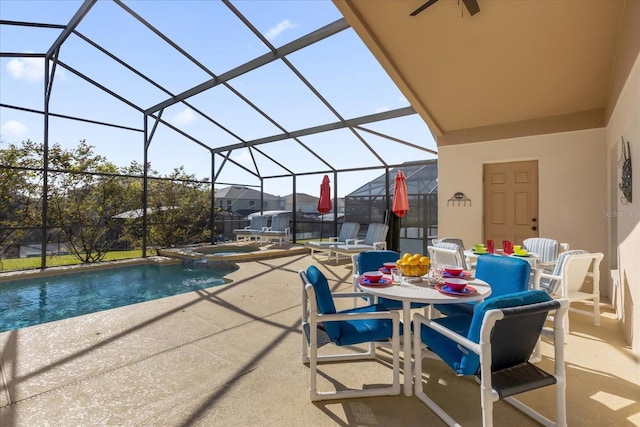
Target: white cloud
[
  {"x": 13, "y": 129},
  {"x": 244, "y": 159},
  {"x": 184, "y": 117},
  {"x": 281, "y": 26},
  {"x": 29, "y": 69}
]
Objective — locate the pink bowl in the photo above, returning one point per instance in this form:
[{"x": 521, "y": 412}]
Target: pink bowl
[
  {"x": 456, "y": 285},
  {"x": 389, "y": 265},
  {"x": 373, "y": 276},
  {"x": 453, "y": 270}
]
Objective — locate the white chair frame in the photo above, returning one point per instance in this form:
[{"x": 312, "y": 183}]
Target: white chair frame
[
  {"x": 572, "y": 279},
  {"x": 444, "y": 256},
  {"x": 312, "y": 318},
  {"x": 483, "y": 349}
]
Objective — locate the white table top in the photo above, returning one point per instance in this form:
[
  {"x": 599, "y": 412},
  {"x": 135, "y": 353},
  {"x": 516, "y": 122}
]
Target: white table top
[
  {"x": 531, "y": 258},
  {"x": 469, "y": 252},
  {"x": 423, "y": 292}
]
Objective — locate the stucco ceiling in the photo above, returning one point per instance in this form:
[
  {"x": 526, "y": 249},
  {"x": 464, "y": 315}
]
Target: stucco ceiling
[{"x": 514, "y": 68}]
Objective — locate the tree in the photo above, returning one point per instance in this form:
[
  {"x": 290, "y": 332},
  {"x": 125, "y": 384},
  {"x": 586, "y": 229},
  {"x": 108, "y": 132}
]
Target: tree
[
  {"x": 90, "y": 201},
  {"x": 20, "y": 195},
  {"x": 179, "y": 208},
  {"x": 85, "y": 195}
]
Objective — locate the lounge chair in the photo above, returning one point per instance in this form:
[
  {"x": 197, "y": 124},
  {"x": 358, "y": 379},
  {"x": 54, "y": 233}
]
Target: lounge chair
[
  {"x": 375, "y": 239},
  {"x": 252, "y": 231},
  {"x": 348, "y": 231},
  {"x": 279, "y": 229}
]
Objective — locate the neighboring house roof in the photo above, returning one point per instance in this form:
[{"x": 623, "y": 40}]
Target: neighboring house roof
[
  {"x": 242, "y": 193},
  {"x": 301, "y": 198},
  {"x": 269, "y": 213}
]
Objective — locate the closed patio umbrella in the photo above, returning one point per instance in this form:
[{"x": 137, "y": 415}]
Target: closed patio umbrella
[
  {"x": 324, "y": 203},
  {"x": 400, "y": 207},
  {"x": 400, "y": 196}
]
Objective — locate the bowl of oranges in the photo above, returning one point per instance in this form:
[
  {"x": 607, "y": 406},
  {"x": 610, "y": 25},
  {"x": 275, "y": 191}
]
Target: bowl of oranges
[{"x": 414, "y": 265}]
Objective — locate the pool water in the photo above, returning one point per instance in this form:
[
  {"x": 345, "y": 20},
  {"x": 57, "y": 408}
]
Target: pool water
[{"x": 39, "y": 300}]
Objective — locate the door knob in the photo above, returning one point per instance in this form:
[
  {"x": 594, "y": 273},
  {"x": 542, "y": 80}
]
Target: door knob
[{"x": 534, "y": 228}]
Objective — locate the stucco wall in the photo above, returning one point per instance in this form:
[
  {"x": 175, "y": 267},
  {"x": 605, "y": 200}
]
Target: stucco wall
[
  {"x": 579, "y": 197},
  {"x": 572, "y": 187},
  {"x": 625, "y": 218}
]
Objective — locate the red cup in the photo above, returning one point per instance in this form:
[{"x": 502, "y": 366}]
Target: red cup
[
  {"x": 507, "y": 247},
  {"x": 491, "y": 247}
]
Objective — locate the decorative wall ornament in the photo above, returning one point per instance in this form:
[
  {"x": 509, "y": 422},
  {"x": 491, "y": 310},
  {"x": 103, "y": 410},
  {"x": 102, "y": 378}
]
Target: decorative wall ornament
[
  {"x": 458, "y": 198},
  {"x": 625, "y": 175}
]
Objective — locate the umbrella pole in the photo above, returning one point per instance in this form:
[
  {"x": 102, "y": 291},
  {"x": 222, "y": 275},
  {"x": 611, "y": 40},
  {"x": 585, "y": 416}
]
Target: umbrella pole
[{"x": 321, "y": 227}]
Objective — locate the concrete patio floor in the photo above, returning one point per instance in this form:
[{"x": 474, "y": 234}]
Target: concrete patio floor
[{"x": 230, "y": 356}]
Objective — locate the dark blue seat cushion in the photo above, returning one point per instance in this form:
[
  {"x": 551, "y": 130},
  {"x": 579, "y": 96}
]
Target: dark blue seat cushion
[
  {"x": 359, "y": 331},
  {"x": 352, "y": 331},
  {"x": 459, "y": 359},
  {"x": 373, "y": 260},
  {"x": 505, "y": 275}
]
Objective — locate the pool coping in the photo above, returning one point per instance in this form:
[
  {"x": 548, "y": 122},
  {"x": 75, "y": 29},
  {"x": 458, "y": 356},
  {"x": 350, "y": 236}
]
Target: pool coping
[
  {"x": 165, "y": 257},
  {"x": 262, "y": 251},
  {"x": 67, "y": 269}
]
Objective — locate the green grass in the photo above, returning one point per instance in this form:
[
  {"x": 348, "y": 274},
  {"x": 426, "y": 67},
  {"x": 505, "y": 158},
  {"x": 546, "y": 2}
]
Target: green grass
[{"x": 52, "y": 261}]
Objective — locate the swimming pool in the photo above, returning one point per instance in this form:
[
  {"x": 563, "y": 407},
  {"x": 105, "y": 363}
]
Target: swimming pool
[
  {"x": 226, "y": 250},
  {"x": 29, "y": 302}
]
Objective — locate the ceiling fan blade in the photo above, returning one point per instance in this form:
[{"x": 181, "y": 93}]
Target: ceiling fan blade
[
  {"x": 472, "y": 6},
  {"x": 423, "y": 7}
]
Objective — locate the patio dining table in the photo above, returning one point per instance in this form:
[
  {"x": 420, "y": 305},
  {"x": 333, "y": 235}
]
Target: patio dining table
[
  {"x": 531, "y": 258},
  {"x": 419, "y": 291}
]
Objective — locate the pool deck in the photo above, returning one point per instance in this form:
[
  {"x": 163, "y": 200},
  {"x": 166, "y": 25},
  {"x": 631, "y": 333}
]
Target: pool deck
[{"x": 230, "y": 356}]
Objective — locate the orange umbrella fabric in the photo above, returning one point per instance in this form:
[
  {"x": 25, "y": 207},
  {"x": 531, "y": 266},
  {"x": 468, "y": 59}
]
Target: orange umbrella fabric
[
  {"x": 400, "y": 196},
  {"x": 324, "y": 203}
]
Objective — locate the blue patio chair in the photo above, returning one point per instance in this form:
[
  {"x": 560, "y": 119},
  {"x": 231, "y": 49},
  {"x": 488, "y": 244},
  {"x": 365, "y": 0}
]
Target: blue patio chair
[
  {"x": 505, "y": 275},
  {"x": 322, "y": 323},
  {"x": 495, "y": 345}
]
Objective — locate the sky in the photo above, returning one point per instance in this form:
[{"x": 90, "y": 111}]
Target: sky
[{"x": 340, "y": 68}]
